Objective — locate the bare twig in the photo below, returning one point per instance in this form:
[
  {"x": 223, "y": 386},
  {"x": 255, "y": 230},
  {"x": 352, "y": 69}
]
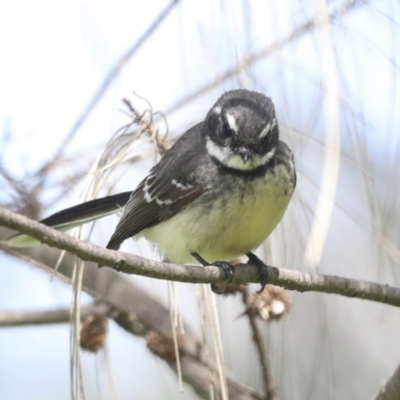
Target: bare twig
[
  {"x": 109, "y": 79},
  {"x": 131, "y": 264},
  {"x": 270, "y": 392},
  {"x": 296, "y": 34},
  {"x": 149, "y": 127},
  {"x": 22, "y": 318},
  {"x": 139, "y": 313}
]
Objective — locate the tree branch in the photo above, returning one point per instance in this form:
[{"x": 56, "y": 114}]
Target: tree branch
[
  {"x": 109, "y": 78},
  {"x": 138, "y": 313},
  {"x": 131, "y": 264},
  {"x": 269, "y": 387},
  {"x": 22, "y": 318},
  {"x": 270, "y": 49}
]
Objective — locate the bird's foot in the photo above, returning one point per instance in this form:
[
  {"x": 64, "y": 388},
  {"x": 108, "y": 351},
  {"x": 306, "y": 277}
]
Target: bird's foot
[
  {"x": 224, "y": 265},
  {"x": 261, "y": 267}
]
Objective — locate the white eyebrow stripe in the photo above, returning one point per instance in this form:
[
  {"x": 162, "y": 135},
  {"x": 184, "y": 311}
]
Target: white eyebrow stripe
[
  {"x": 217, "y": 110},
  {"x": 268, "y": 128},
  {"x": 231, "y": 122}
]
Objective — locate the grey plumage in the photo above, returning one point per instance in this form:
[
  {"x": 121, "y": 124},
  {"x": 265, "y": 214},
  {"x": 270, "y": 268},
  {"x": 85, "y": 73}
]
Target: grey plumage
[
  {"x": 219, "y": 191},
  {"x": 192, "y": 182}
]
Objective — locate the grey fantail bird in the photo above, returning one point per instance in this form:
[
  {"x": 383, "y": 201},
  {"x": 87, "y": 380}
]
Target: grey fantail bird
[{"x": 215, "y": 195}]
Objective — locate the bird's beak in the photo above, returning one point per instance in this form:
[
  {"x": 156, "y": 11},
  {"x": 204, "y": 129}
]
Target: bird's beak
[{"x": 244, "y": 153}]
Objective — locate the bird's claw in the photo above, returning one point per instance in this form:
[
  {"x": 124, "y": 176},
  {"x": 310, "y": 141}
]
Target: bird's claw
[
  {"x": 226, "y": 267},
  {"x": 261, "y": 267}
]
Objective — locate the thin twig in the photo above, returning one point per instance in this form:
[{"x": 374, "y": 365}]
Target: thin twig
[
  {"x": 115, "y": 70},
  {"x": 270, "y": 392},
  {"x": 138, "y": 313},
  {"x": 22, "y": 318},
  {"x": 131, "y": 264},
  {"x": 296, "y": 34}
]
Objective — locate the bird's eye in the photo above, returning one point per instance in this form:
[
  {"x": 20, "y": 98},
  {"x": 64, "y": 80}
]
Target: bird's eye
[{"x": 227, "y": 132}]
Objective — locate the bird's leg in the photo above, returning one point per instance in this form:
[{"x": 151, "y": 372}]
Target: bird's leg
[
  {"x": 261, "y": 267},
  {"x": 226, "y": 267}
]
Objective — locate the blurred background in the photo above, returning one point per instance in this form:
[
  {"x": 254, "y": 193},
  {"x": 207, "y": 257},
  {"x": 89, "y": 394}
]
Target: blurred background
[{"x": 332, "y": 70}]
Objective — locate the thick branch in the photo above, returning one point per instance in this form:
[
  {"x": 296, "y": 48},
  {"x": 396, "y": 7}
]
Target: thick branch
[{"x": 131, "y": 264}]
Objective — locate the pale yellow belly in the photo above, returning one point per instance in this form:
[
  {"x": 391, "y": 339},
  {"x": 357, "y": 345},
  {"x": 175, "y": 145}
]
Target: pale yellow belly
[{"x": 226, "y": 229}]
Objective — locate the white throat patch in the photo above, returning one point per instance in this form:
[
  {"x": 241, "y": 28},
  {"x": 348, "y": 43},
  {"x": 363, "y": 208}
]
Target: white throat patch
[{"x": 232, "y": 160}]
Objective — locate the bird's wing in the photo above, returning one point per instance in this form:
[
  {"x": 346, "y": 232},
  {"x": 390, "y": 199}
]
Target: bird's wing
[{"x": 170, "y": 186}]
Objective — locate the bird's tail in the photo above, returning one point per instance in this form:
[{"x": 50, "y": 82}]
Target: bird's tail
[{"x": 75, "y": 216}]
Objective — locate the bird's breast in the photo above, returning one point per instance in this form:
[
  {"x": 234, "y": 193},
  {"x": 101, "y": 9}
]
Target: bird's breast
[{"x": 226, "y": 222}]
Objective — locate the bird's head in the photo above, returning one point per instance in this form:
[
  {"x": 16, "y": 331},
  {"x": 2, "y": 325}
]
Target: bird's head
[{"x": 242, "y": 130}]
